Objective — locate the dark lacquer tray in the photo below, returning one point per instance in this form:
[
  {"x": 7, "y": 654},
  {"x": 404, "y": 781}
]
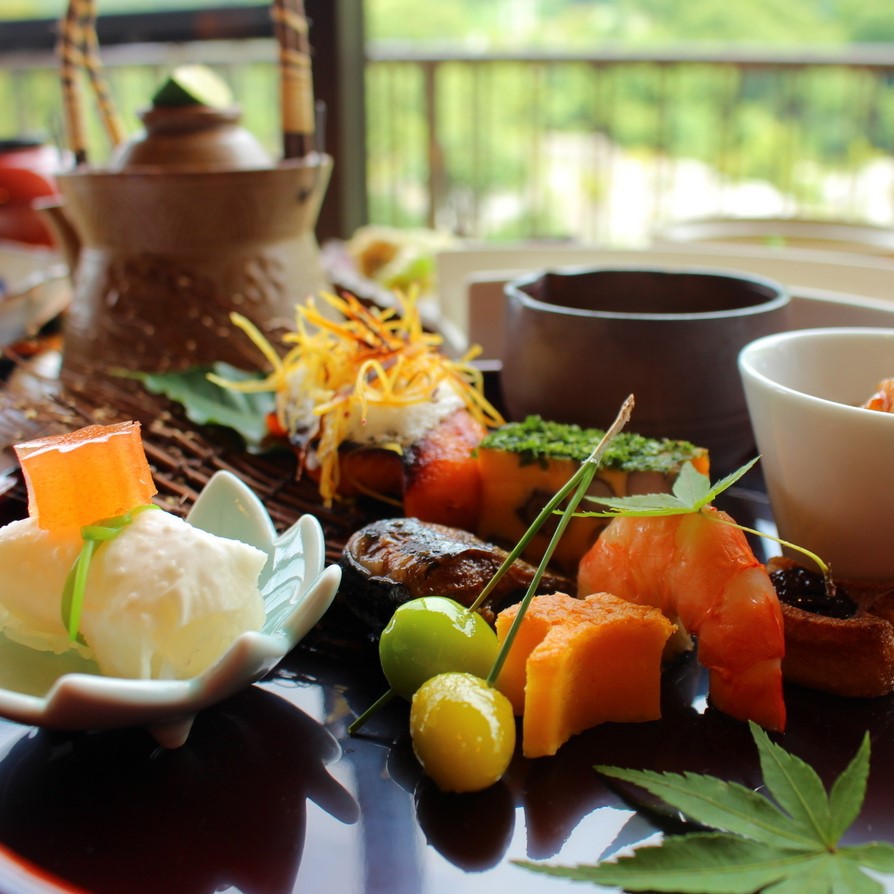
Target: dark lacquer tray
[{"x": 270, "y": 795}]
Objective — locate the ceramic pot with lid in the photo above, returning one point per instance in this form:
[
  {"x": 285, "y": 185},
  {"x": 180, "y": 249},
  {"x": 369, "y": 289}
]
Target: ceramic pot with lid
[
  {"x": 191, "y": 136},
  {"x": 190, "y": 222}
]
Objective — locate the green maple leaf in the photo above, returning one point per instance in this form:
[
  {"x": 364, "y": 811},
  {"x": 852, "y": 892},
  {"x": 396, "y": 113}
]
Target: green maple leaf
[
  {"x": 691, "y": 492},
  {"x": 787, "y": 843}
]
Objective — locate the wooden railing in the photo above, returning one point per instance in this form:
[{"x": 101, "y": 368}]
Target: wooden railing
[
  {"x": 602, "y": 147},
  {"x": 605, "y": 147}
]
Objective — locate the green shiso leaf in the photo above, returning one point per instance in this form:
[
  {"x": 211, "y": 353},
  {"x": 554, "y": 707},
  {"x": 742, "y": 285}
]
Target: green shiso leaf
[
  {"x": 783, "y": 843},
  {"x": 207, "y": 403}
]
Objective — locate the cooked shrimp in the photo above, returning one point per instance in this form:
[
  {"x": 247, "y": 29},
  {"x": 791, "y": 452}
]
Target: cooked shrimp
[
  {"x": 883, "y": 399},
  {"x": 703, "y": 574}
]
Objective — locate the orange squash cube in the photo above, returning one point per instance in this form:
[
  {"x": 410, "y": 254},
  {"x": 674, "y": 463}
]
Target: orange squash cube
[
  {"x": 81, "y": 477},
  {"x": 576, "y": 663}
]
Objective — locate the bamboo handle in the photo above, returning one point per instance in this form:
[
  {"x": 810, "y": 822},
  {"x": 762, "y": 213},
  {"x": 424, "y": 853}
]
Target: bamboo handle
[
  {"x": 93, "y": 63},
  {"x": 296, "y": 79},
  {"x": 78, "y": 49},
  {"x": 69, "y": 51}
]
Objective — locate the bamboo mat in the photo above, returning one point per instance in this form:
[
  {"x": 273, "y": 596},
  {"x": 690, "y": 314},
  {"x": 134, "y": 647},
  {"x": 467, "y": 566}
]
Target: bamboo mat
[{"x": 183, "y": 456}]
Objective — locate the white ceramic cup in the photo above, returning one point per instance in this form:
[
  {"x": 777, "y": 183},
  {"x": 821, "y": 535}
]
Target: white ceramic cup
[{"x": 828, "y": 463}]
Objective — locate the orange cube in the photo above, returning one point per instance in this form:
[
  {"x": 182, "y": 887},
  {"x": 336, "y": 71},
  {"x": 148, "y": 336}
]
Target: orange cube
[
  {"x": 576, "y": 663},
  {"x": 81, "y": 477}
]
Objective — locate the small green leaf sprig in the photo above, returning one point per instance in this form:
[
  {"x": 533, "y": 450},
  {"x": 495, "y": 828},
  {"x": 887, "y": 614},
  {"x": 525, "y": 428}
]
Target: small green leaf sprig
[
  {"x": 787, "y": 843},
  {"x": 574, "y": 491},
  {"x": 691, "y": 492},
  {"x": 76, "y": 582}
]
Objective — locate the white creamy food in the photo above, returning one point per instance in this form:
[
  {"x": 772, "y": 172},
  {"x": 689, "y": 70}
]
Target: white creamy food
[
  {"x": 402, "y": 424},
  {"x": 163, "y": 600},
  {"x": 35, "y": 564}
]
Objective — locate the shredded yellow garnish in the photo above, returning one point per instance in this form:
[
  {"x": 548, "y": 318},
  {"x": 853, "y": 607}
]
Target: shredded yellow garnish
[{"x": 370, "y": 356}]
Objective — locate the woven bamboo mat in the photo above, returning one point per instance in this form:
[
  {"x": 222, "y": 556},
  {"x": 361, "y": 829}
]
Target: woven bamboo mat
[{"x": 183, "y": 455}]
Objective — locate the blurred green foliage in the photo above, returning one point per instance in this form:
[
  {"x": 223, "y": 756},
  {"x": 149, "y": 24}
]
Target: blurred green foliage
[
  {"x": 575, "y": 24},
  {"x": 495, "y": 122}
]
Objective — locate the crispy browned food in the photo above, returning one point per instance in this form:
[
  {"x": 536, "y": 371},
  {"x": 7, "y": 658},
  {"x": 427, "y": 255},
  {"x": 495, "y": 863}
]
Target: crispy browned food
[
  {"x": 851, "y": 656},
  {"x": 389, "y": 562}
]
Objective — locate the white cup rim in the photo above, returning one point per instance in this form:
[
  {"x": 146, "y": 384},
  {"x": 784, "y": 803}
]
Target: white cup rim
[{"x": 760, "y": 347}]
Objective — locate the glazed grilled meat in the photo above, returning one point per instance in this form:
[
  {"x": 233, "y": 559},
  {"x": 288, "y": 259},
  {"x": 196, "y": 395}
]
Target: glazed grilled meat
[{"x": 392, "y": 561}]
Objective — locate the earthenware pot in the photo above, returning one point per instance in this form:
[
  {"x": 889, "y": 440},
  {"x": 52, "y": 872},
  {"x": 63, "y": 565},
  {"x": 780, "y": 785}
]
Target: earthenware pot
[
  {"x": 578, "y": 341},
  {"x": 161, "y": 255}
]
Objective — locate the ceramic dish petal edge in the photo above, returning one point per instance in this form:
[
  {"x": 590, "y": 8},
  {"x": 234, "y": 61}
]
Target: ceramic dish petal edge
[{"x": 297, "y": 591}]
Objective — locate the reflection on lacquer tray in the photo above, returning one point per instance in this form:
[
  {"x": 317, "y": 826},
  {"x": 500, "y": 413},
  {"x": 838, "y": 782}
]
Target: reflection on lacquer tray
[
  {"x": 556, "y": 795},
  {"x": 561, "y": 810},
  {"x": 112, "y": 812}
]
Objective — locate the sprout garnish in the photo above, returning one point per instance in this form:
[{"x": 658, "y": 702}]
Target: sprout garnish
[{"x": 76, "y": 583}]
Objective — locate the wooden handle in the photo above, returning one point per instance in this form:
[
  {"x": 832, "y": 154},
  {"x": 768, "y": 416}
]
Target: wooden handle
[
  {"x": 78, "y": 49},
  {"x": 69, "y": 51},
  {"x": 296, "y": 78}
]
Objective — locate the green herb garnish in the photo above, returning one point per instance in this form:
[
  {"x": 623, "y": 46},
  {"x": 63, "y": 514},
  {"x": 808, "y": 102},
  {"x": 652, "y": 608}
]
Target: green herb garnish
[
  {"x": 788, "y": 843},
  {"x": 536, "y": 440},
  {"x": 76, "y": 582},
  {"x": 576, "y": 487},
  {"x": 691, "y": 493}
]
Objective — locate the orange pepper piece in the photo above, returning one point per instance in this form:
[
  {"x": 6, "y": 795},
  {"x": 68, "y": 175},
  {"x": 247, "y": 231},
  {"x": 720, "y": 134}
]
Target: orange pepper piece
[{"x": 81, "y": 477}]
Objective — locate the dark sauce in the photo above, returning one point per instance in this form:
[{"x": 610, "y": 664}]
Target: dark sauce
[{"x": 806, "y": 590}]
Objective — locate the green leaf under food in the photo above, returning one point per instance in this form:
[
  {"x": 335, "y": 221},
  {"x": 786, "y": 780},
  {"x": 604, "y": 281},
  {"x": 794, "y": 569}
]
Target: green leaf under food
[
  {"x": 207, "y": 403},
  {"x": 782, "y": 843}
]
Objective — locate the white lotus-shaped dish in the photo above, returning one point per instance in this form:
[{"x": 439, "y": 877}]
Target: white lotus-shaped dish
[{"x": 67, "y": 692}]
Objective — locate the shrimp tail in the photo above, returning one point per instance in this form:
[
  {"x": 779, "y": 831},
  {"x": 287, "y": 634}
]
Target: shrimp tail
[{"x": 754, "y": 693}]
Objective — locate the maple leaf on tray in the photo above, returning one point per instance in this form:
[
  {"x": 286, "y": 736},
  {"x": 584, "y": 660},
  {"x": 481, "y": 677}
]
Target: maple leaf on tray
[{"x": 787, "y": 843}]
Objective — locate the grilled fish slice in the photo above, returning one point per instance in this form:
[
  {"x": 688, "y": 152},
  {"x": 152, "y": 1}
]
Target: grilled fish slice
[{"x": 392, "y": 561}]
